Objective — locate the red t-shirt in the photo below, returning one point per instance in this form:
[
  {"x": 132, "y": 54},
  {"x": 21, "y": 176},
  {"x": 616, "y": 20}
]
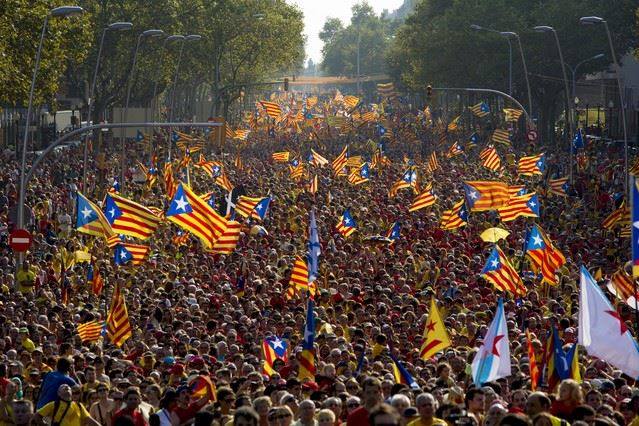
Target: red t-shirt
[
  {"x": 135, "y": 415},
  {"x": 358, "y": 417}
]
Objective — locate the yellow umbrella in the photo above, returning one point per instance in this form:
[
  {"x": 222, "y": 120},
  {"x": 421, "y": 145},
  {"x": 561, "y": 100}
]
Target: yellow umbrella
[{"x": 492, "y": 235}]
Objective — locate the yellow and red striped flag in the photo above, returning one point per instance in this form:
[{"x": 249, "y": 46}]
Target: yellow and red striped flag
[
  {"x": 433, "y": 164},
  {"x": 223, "y": 181},
  {"x": 531, "y": 165},
  {"x": 501, "y": 136},
  {"x": 90, "y": 331},
  {"x": 229, "y": 238},
  {"x": 535, "y": 374},
  {"x": 299, "y": 280},
  {"x": 340, "y": 161},
  {"x": 490, "y": 159},
  {"x": 281, "y": 157},
  {"x": 558, "y": 186},
  {"x": 501, "y": 273},
  {"x": 623, "y": 287},
  {"x": 117, "y": 323},
  {"x": 526, "y": 205},
  {"x": 618, "y": 217},
  {"x": 425, "y": 199},
  {"x": 307, "y": 358},
  {"x": 317, "y": 160},
  {"x": 169, "y": 181},
  {"x": 455, "y": 217},
  {"x": 512, "y": 114},
  {"x": 297, "y": 172},
  {"x": 543, "y": 254},
  {"x": 272, "y": 109},
  {"x": 313, "y": 185},
  {"x": 482, "y": 195},
  {"x": 130, "y": 218},
  {"x": 350, "y": 101}
]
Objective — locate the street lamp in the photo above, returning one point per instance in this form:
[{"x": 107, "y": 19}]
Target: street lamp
[
  {"x": 190, "y": 37},
  {"x": 509, "y": 35},
  {"x": 116, "y": 26},
  {"x": 144, "y": 34},
  {"x": 174, "y": 37},
  {"x": 592, "y": 20},
  {"x": 58, "y": 12},
  {"x": 510, "y": 53},
  {"x": 574, "y": 70}
]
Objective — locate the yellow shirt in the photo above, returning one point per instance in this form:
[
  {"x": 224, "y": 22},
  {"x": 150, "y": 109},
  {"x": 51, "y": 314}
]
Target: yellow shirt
[
  {"x": 433, "y": 422},
  {"x": 74, "y": 416},
  {"x": 26, "y": 280}
]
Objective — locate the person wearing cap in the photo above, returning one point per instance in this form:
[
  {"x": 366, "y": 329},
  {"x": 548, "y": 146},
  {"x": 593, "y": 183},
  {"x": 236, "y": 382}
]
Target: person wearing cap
[{"x": 64, "y": 411}]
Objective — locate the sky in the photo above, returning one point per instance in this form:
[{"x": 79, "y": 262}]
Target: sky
[{"x": 316, "y": 12}]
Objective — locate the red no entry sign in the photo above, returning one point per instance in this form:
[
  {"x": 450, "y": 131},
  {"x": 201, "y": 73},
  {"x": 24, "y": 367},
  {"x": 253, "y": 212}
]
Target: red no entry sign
[
  {"x": 20, "y": 240},
  {"x": 532, "y": 135}
]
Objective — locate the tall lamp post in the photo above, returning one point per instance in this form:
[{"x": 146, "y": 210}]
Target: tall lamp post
[
  {"x": 154, "y": 106},
  {"x": 592, "y": 20},
  {"x": 116, "y": 26},
  {"x": 573, "y": 71},
  {"x": 144, "y": 34},
  {"x": 511, "y": 34},
  {"x": 510, "y": 53},
  {"x": 57, "y": 12}
]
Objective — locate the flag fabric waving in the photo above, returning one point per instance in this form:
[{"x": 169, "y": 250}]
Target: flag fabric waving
[
  {"x": 455, "y": 217},
  {"x": 90, "y": 331},
  {"x": 435, "y": 335},
  {"x": 273, "y": 348},
  {"x": 490, "y": 158},
  {"x": 635, "y": 227},
  {"x": 455, "y": 150},
  {"x": 433, "y": 164},
  {"x": 272, "y": 109},
  {"x": 299, "y": 280},
  {"x": 602, "y": 331},
  {"x": 622, "y": 285},
  {"x": 340, "y": 161},
  {"x": 127, "y": 252},
  {"x": 227, "y": 241},
  {"x": 314, "y": 248},
  {"x": 492, "y": 361},
  {"x": 425, "y": 199},
  {"x": 526, "y": 205},
  {"x": 408, "y": 180},
  {"x": 95, "y": 279},
  {"x": 486, "y": 195},
  {"x": 535, "y": 374},
  {"x": 558, "y": 186},
  {"x": 90, "y": 219},
  {"x": 127, "y": 217},
  {"x": 313, "y": 185},
  {"x": 117, "y": 323},
  {"x": 360, "y": 175},
  {"x": 307, "y": 358},
  {"x": 247, "y": 206},
  {"x": 346, "y": 225},
  {"x": 195, "y": 215},
  {"x": 481, "y": 109},
  {"x": 281, "y": 157},
  {"x": 500, "y": 272},
  {"x": 620, "y": 216},
  {"x": 402, "y": 376},
  {"x": 533, "y": 165},
  {"x": 501, "y": 136},
  {"x": 512, "y": 114},
  {"x": 393, "y": 233},
  {"x": 543, "y": 255},
  {"x": 317, "y": 160}
]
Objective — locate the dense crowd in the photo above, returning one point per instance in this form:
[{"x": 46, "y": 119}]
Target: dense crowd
[{"x": 189, "y": 318}]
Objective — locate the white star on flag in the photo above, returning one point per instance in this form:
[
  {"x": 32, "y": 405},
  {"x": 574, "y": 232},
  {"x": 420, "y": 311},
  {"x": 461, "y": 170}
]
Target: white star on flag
[
  {"x": 181, "y": 204},
  {"x": 86, "y": 212}
]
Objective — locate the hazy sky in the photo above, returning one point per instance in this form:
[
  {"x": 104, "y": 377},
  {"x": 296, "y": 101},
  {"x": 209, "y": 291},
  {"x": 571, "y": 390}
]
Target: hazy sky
[{"x": 316, "y": 12}]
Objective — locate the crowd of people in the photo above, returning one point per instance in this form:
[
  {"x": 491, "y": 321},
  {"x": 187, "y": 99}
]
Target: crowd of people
[{"x": 190, "y": 318}]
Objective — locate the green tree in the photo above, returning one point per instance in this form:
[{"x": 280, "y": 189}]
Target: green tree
[
  {"x": 436, "y": 45},
  {"x": 369, "y": 32}
]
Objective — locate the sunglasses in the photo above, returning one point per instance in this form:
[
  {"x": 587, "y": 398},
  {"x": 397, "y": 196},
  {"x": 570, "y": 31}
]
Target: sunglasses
[{"x": 352, "y": 405}]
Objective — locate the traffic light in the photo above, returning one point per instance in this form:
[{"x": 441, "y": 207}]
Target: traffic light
[
  {"x": 286, "y": 84},
  {"x": 429, "y": 92}
]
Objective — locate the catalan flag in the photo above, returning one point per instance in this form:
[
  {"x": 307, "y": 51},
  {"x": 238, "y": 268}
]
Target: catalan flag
[
  {"x": 272, "y": 109},
  {"x": 180, "y": 238},
  {"x": 211, "y": 168},
  {"x": 455, "y": 217},
  {"x": 245, "y": 205},
  {"x": 455, "y": 150},
  {"x": 386, "y": 90},
  {"x": 313, "y": 185},
  {"x": 402, "y": 376},
  {"x": 481, "y": 109},
  {"x": 127, "y": 217},
  {"x": 299, "y": 280},
  {"x": 95, "y": 279},
  {"x": 340, "y": 161},
  {"x": 316, "y": 160},
  {"x": 281, "y": 157},
  {"x": 408, "y": 180},
  {"x": 501, "y": 136},
  {"x": 351, "y": 102},
  {"x": 425, "y": 199},
  {"x": 533, "y": 165},
  {"x": 127, "y": 252},
  {"x": 473, "y": 139},
  {"x": 273, "y": 348},
  {"x": 90, "y": 331},
  {"x": 227, "y": 241},
  {"x": 360, "y": 174},
  {"x": 618, "y": 217},
  {"x": 516, "y": 190},
  {"x": 433, "y": 164},
  {"x": 195, "y": 215},
  {"x": 202, "y": 387},
  {"x": 490, "y": 158},
  {"x": 526, "y": 205},
  {"x": 117, "y": 323},
  {"x": 346, "y": 225},
  {"x": 543, "y": 255},
  {"x": 90, "y": 219},
  {"x": 354, "y": 161},
  {"x": 486, "y": 195},
  {"x": 634, "y": 217},
  {"x": 296, "y": 172},
  {"x": 623, "y": 287},
  {"x": 560, "y": 364},
  {"x": 241, "y": 134},
  {"x": 558, "y": 186},
  {"x": 223, "y": 181},
  {"x": 535, "y": 374},
  {"x": 238, "y": 163},
  {"x": 435, "y": 337},
  {"x": 228, "y": 131},
  {"x": 394, "y": 233},
  {"x": 307, "y": 358},
  {"x": 501, "y": 273},
  {"x": 169, "y": 181},
  {"x": 512, "y": 114},
  {"x": 452, "y": 126}
]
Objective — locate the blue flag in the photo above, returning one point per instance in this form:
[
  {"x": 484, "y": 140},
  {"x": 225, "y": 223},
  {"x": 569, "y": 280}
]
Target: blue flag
[{"x": 314, "y": 249}]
